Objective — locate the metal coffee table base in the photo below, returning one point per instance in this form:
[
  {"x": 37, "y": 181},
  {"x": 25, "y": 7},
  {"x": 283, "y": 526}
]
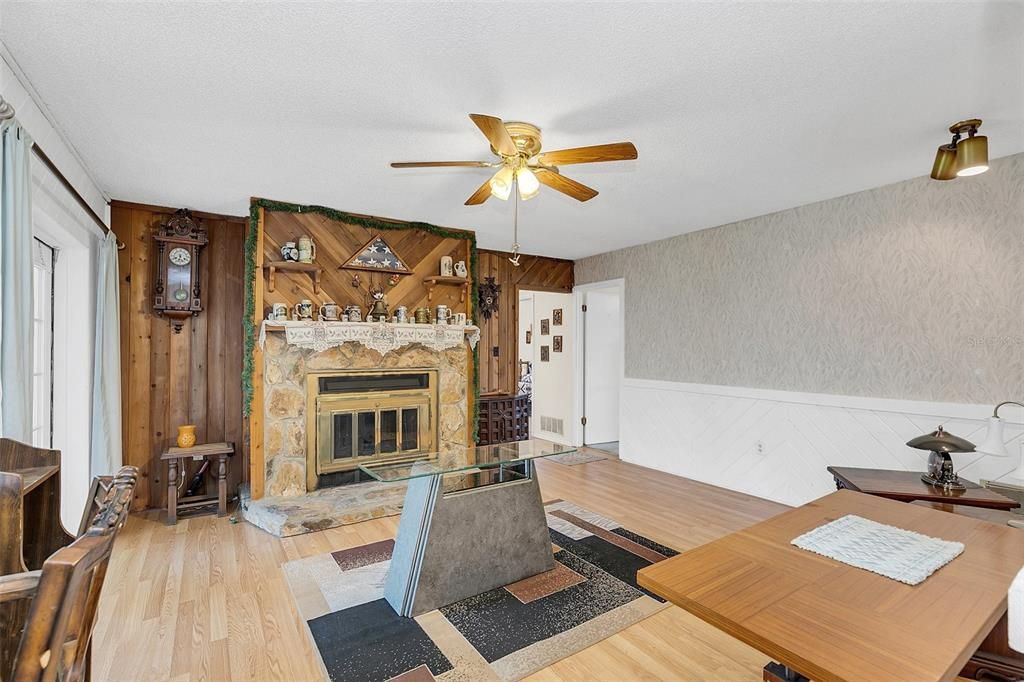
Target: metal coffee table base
[{"x": 458, "y": 545}]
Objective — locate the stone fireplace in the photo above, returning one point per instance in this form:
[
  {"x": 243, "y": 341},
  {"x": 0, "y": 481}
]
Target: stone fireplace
[{"x": 329, "y": 408}]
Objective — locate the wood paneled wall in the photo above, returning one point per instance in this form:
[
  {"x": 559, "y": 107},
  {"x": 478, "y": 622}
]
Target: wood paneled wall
[
  {"x": 170, "y": 379},
  {"x": 500, "y": 334},
  {"x": 336, "y": 242}
]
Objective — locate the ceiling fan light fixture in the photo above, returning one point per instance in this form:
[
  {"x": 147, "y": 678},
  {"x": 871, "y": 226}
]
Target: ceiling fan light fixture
[
  {"x": 527, "y": 183},
  {"x": 972, "y": 156},
  {"x": 501, "y": 183}
]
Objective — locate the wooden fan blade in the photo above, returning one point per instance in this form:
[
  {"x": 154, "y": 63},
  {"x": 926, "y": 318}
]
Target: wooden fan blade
[
  {"x": 617, "y": 151},
  {"x": 481, "y": 195},
  {"x": 431, "y": 164},
  {"x": 494, "y": 130},
  {"x": 576, "y": 190}
]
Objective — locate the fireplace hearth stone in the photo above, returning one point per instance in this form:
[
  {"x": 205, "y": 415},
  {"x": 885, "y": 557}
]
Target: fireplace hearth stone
[{"x": 324, "y": 508}]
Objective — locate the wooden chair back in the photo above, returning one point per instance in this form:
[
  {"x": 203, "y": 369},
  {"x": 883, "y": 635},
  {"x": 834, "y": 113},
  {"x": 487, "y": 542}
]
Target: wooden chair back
[{"x": 55, "y": 644}]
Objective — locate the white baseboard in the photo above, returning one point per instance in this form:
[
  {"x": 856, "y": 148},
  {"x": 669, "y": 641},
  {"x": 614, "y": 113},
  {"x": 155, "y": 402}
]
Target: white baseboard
[{"x": 712, "y": 433}]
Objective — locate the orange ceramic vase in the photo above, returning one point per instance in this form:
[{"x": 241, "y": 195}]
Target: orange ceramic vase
[{"x": 186, "y": 436}]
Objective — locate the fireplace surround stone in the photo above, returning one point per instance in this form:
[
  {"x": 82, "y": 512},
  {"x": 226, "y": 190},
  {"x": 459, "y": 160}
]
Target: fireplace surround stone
[{"x": 285, "y": 402}]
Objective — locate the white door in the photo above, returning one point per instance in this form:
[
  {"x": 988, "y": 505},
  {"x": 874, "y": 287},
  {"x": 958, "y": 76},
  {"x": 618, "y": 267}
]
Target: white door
[{"x": 602, "y": 364}]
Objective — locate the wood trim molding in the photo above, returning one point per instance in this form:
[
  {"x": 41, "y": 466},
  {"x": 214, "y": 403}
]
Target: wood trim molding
[
  {"x": 164, "y": 209},
  {"x": 257, "y": 457},
  {"x": 916, "y": 407}
]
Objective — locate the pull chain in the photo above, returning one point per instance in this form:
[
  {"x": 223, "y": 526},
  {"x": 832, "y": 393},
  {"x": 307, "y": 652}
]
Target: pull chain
[{"x": 514, "y": 260}]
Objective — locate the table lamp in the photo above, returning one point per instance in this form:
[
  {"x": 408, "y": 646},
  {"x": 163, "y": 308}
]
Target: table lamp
[
  {"x": 939, "y": 443},
  {"x": 994, "y": 444}
]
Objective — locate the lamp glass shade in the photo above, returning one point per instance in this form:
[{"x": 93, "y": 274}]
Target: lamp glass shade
[
  {"x": 993, "y": 443},
  {"x": 528, "y": 183},
  {"x": 972, "y": 156},
  {"x": 501, "y": 183},
  {"x": 945, "y": 166}
]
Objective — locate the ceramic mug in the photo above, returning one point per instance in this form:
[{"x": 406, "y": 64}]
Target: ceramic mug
[
  {"x": 446, "y": 266},
  {"x": 307, "y": 250},
  {"x": 304, "y": 310},
  {"x": 354, "y": 313},
  {"x": 401, "y": 314},
  {"x": 329, "y": 311},
  {"x": 459, "y": 319},
  {"x": 289, "y": 252},
  {"x": 441, "y": 314},
  {"x": 460, "y": 269},
  {"x": 279, "y": 312}
]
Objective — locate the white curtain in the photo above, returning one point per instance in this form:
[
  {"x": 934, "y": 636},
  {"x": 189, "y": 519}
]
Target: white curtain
[
  {"x": 106, "y": 381},
  {"x": 16, "y": 298}
]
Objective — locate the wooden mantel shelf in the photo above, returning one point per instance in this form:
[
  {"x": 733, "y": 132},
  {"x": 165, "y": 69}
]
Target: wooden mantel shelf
[
  {"x": 434, "y": 280},
  {"x": 272, "y": 267}
]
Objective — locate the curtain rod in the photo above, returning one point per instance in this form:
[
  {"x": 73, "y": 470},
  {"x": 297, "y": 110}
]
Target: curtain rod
[{"x": 6, "y": 112}]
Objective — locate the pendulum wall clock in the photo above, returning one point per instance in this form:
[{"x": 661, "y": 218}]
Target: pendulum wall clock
[{"x": 176, "y": 293}]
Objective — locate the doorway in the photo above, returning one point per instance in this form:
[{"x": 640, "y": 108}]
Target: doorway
[
  {"x": 601, "y": 344},
  {"x": 547, "y": 366}
]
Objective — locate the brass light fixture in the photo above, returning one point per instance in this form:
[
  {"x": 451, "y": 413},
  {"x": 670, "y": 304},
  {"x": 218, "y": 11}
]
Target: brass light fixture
[{"x": 964, "y": 155}]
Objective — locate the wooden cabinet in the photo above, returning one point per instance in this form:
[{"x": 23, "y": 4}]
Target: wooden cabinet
[{"x": 503, "y": 418}]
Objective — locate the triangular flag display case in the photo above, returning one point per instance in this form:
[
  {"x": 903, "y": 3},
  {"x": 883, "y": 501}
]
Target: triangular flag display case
[{"x": 377, "y": 256}]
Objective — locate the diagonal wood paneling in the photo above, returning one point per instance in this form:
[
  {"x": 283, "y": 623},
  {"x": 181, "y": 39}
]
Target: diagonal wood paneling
[{"x": 336, "y": 242}]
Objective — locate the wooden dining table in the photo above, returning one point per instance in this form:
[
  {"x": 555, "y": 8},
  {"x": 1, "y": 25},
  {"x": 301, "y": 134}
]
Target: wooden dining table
[{"x": 826, "y": 620}]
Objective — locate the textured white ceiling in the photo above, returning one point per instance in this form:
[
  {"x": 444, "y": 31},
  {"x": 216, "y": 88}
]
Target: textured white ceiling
[{"x": 737, "y": 109}]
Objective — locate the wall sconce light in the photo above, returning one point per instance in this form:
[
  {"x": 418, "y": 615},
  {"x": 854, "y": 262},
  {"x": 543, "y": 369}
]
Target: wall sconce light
[
  {"x": 994, "y": 443},
  {"x": 963, "y": 156}
]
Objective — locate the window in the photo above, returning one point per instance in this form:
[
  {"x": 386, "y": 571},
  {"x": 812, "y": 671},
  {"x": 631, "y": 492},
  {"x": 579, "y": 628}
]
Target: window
[{"x": 43, "y": 257}]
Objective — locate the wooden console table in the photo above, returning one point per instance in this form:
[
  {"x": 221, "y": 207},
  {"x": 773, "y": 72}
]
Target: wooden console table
[
  {"x": 907, "y": 486},
  {"x": 218, "y": 453}
]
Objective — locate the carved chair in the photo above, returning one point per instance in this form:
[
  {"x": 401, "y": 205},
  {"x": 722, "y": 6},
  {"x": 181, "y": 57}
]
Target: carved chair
[{"x": 65, "y": 595}]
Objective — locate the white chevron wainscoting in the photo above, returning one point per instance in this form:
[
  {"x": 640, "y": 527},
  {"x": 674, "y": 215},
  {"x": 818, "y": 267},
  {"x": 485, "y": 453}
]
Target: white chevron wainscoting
[{"x": 776, "y": 444}]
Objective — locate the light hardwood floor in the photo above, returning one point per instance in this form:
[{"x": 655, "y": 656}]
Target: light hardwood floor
[{"x": 206, "y": 599}]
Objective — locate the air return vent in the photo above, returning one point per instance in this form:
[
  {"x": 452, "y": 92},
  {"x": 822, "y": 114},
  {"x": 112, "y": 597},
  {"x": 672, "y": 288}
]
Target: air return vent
[{"x": 552, "y": 425}]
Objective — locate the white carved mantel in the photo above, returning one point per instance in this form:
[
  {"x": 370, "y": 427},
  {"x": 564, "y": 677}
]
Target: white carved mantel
[{"x": 382, "y": 337}]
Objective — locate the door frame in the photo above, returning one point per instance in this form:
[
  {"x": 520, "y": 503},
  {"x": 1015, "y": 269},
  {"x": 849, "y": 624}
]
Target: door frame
[{"x": 579, "y": 348}]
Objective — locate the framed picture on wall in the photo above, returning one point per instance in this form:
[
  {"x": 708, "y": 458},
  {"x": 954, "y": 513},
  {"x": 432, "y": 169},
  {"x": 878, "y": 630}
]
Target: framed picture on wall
[
  {"x": 556, "y": 344},
  {"x": 545, "y": 327},
  {"x": 545, "y": 354},
  {"x": 556, "y": 318}
]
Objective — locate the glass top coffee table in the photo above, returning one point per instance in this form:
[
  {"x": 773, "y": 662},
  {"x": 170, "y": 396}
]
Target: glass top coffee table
[
  {"x": 497, "y": 456},
  {"x": 473, "y": 520}
]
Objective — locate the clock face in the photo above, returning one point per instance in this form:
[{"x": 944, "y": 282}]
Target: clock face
[{"x": 180, "y": 256}]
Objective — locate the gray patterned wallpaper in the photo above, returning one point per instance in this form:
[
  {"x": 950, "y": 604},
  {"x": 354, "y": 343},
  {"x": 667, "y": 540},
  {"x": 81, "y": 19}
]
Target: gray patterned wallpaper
[{"x": 914, "y": 290}]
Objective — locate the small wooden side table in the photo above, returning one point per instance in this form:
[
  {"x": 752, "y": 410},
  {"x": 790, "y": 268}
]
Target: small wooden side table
[
  {"x": 218, "y": 453},
  {"x": 907, "y": 486}
]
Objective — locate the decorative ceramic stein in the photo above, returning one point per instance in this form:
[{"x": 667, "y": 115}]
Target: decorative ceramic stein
[
  {"x": 329, "y": 311},
  {"x": 446, "y": 266},
  {"x": 289, "y": 252},
  {"x": 307, "y": 250},
  {"x": 422, "y": 316},
  {"x": 401, "y": 314},
  {"x": 354, "y": 313},
  {"x": 460, "y": 269},
  {"x": 459, "y": 319},
  {"x": 304, "y": 310},
  {"x": 186, "y": 435},
  {"x": 441, "y": 315},
  {"x": 280, "y": 312}
]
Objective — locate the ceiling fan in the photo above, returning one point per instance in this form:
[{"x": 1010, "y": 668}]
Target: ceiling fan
[{"x": 522, "y": 164}]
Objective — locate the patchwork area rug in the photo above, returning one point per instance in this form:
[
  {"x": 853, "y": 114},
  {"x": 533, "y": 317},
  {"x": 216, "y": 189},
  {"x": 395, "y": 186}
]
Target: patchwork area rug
[
  {"x": 574, "y": 458},
  {"x": 504, "y": 634}
]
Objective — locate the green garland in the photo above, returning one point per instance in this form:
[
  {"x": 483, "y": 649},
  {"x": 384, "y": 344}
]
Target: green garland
[{"x": 252, "y": 238}]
